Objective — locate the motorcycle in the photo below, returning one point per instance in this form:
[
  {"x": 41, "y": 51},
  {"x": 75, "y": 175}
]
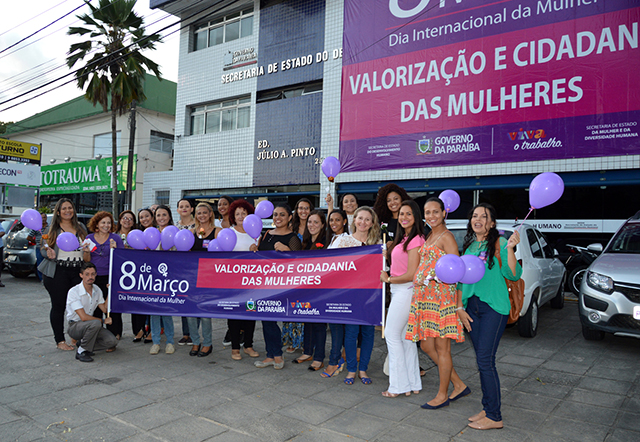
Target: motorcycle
[{"x": 579, "y": 260}]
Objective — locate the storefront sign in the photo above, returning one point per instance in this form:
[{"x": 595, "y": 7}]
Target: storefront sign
[
  {"x": 85, "y": 176},
  {"x": 469, "y": 82},
  {"x": 20, "y": 151},
  {"x": 337, "y": 286},
  {"x": 21, "y": 174}
]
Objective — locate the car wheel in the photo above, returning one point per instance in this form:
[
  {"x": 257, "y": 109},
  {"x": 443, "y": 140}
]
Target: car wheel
[
  {"x": 528, "y": 324},
  {"x": 591, "y": 334},
  {"x": 558, "y": 301},
  {"x": 575, "y": 278},
  {"x": 17, "y": 274}
]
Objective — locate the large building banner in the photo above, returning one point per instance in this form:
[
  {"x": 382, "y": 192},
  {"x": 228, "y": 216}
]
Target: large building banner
[
  {"x": 340, "y": 286},
  {"x": 453, "y": 82}
]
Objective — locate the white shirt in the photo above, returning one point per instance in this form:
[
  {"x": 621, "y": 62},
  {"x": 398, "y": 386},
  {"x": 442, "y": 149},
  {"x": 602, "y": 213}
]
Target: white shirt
[
  {"x": 78, "y": 298},
  {"x": 243, "y": 241}
]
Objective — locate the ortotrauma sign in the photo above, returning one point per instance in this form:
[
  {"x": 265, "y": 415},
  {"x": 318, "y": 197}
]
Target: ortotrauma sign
[{"x": 336, "y": 286}]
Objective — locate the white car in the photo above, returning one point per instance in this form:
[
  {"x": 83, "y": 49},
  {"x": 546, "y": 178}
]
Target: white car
[{"x": 543, "y": 273}]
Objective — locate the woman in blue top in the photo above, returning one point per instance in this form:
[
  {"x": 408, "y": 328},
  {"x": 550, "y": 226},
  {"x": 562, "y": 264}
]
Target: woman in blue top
[{"x": 483, "y": 307}]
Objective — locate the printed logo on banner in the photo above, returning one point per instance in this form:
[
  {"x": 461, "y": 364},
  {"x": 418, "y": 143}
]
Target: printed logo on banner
[
  {"x": 163, "y": 269},
  {"x": 251, "y": 305},
  {"x": 531, "y": 139},
  {"x": 425, "y": 146},
  {"x": 523, "y": 134},
  {"x": 303, "y": 308}
]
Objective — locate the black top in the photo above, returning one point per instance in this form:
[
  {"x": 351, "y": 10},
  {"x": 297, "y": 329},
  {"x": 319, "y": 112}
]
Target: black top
[
  {"x": 317, "y": 244},
  {"x": 200, "y": 245},
  {"x": 290, "y": 239},
  {"x": 392, "y": 226}
]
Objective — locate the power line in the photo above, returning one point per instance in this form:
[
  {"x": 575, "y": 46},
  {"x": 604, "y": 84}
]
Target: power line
[{"x": 32, "y": 18}]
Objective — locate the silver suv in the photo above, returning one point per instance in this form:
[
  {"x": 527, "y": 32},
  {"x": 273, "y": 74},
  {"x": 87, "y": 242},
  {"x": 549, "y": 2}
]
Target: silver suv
[{"x": 609, "y": 299}]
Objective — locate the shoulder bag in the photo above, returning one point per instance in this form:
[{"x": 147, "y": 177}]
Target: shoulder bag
[{"x": 516, "y": 291}]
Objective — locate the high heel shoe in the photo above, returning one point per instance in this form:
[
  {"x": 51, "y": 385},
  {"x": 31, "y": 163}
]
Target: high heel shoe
[{"x": 195, "y": 352}]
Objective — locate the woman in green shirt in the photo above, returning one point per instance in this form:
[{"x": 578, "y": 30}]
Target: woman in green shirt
[{"x": 483, "y": 307}]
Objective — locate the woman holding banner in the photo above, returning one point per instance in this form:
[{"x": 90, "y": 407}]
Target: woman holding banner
[
  {"x": 484, "y": 307},
  {"x": 204, "y": 232},
  {"x": 404, "y": 369},
  {"x": 293, "y": 332},
  {"x": 315, "y": 334},
  {"x": 240, "y": 329},
  {"x": 366, "y": 231},
  {"x": 433, "y": 320},
  {"x": 281, "y": 239},
  {"x": 163, "y": 219}
]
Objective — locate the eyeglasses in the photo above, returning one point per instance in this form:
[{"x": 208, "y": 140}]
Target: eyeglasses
[{"x": 127, "y": 218}]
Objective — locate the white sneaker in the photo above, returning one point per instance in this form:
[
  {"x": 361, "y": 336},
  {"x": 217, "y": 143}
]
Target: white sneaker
[
  {"x": 169, "y": 349},
  {"x": 155, "y": 349}
]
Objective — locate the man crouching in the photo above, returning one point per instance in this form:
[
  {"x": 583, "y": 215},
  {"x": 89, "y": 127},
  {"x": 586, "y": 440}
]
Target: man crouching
[{"x": 82, "y": 301}]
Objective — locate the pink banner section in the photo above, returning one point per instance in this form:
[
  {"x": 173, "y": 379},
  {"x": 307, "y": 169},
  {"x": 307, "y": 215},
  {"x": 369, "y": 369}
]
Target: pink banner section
[
  {"x": 587, "y": 66},
  {"x": 326, "y": 272}
]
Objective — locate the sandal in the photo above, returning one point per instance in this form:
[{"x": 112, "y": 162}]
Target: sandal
[
  {"x": 325, "y": 373},
  {"x": 303, "y": 358},
  {"x": 348, "y": 380},
  {"x": 110, "y": 350},
  {"x": 62, "y": 345},
  {"x": 387, "y": 394},
  {"x": 365, "y": 380}
]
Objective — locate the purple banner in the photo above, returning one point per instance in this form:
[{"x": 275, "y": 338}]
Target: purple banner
[
  {"x": 340, "y": 286},
  {"x": 429, "y": 83}
]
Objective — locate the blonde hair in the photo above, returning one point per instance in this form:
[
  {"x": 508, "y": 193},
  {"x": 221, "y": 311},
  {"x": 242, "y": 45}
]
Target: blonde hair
[
  {"x": 211, "y": 216},
  {"x": 374, "y": 232}
]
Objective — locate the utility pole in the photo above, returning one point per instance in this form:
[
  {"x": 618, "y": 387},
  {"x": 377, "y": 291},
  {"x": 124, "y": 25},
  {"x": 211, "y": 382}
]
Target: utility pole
[{"x": 132, "y": 139}]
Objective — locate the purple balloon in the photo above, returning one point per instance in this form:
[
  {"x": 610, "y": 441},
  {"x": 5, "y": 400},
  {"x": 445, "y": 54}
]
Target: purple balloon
[
  {"x": 450, "y": 269},
  {"x": 214, "y": 246},
  {"x": 167, "y": 237},
  {"x": 264, "y": 209},
  {"x": 227, "y": 239},
  {"x": 451, "y": 200},
  {"x": 545, "y": 189},
  {"x": 67, "y": 241},
  {"x": 252, "y": 224},
  {"x": 135, "y": 239},
  {"x": 152, "y": 237},
  {"x": 331, "y": 167},
  {"x": 474, "y": 269},
  {"x": 31, "y": 219},
  {"x": 183, "y": 240}
]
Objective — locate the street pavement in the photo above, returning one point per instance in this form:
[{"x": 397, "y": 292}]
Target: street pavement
[{"x": 555, "y": 387}]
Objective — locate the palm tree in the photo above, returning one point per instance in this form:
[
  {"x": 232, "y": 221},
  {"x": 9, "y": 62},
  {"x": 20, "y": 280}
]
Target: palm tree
[{"x": 114, "y": 67}]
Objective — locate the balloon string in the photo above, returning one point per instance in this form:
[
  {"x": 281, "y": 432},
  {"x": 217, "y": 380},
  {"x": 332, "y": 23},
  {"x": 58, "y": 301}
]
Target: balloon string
[
  {"x": 445, "y": 214},
  {"x": 525, "y": 218}
]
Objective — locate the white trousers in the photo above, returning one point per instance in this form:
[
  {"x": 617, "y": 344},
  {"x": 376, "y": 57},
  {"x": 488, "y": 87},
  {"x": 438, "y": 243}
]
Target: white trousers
[{"x": 404, "y": 367}]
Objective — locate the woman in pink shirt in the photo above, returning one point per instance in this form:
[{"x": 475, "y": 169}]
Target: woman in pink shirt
[{"x": 404, "y": 369}]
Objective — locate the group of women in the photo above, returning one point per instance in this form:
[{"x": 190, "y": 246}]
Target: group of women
[{"x": 423, "y": 311}]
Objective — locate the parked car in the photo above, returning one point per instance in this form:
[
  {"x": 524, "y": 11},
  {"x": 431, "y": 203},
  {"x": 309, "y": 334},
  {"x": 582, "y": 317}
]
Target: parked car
[
  {"x": 543, "y": 273},
  {"x": 609, "y": 300},
  {"x": 20, "y": 244},
  {"x": 578, "y": 263}
]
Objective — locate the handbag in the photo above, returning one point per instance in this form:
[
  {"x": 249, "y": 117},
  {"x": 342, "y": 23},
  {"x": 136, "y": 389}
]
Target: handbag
[
  {"x": 516, "y": 291},
  {"x": 47, "y": 267}
]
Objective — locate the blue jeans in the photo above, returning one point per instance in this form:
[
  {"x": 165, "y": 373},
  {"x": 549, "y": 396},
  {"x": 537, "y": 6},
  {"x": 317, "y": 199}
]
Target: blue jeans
[
  {"x": 156, "y": 328},
  {"x": 315, "y": 339},
  {"x": 351, "y": 346},
  {"x": 272, "y": 338},
  {"x": 486, "y": 330},
  {"x": 195, "y": 333},
  {"x": 337, "y": 341}
]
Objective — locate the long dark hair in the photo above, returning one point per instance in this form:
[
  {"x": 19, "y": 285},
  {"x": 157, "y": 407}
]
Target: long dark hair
[
  {"x": 416, "y": 230},
  {"x": 168, "y": 209},
  {"x": 345, "y": 224},
  {"x": 340, "y": 205},
  {"x": 153, "y": 218},
  {"x": 435, "y": 199},
  {"x": 55, "y": 223},
  {"x": 492, "y": 236},
  {"x": 295, "y": 221},
  {"x": 306, "y": 237},
  {"x": 380, "y": 206}
]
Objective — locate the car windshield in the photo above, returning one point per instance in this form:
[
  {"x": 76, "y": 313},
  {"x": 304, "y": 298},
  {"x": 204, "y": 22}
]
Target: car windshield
[{"x": 627, "y": 240}]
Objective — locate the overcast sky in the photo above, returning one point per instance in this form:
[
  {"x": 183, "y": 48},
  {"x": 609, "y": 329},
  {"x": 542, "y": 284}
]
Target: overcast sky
[{"x": 36, "y": 63}]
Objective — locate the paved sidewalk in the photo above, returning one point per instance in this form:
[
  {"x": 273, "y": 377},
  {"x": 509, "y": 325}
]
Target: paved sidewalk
[{"x": 555, "y": 387}]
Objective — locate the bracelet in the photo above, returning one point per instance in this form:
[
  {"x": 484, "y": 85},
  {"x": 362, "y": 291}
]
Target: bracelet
[
  {"x": 460, "y": 308},
  {"x": 388, "y": 279}
]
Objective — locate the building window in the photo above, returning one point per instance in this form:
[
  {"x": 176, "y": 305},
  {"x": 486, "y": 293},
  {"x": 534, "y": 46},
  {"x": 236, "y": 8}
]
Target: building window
[
  {"x": 221, "y": 116},
  {"x": 162, "y": 197},
  {"x": 161, "y": 142},
  {"x": 224, "y": 29},
  {"x": 291, "y": 91},
  {"x": 102, "y": 144}
]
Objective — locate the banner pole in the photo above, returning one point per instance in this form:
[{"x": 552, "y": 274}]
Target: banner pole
[
  {"x": 109, "y": 283},
  {"x": 384, "y": 265}
]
